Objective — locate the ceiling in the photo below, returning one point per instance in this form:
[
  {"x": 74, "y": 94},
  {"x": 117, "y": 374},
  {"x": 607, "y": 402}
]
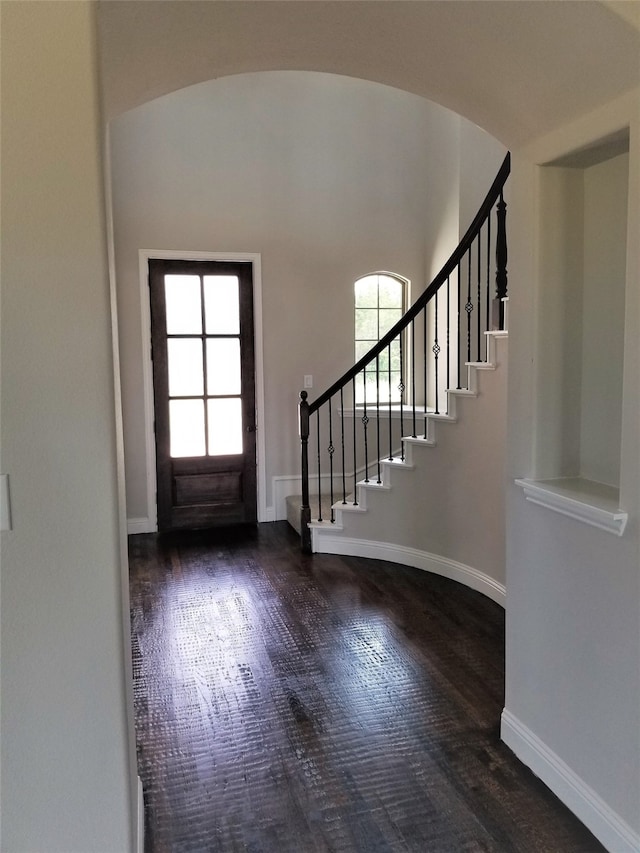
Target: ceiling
[{"x": 517, "y": 68}]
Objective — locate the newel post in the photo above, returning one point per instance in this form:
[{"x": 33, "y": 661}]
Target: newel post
[
  {"x": 305, "y": 509},
  {"x": 501, "y": 264}
]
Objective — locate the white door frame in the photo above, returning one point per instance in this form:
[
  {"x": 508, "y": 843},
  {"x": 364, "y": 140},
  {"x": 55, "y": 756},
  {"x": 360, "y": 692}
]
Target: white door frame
[{"x": 147, "y": 367}]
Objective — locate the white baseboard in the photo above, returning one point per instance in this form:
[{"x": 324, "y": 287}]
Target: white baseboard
[
  {"x": 325, "y": 543},
  {"x": 140, "y": 525},
  {"x": 140, "y": 819},
  {"x": 608, "y": 827}
]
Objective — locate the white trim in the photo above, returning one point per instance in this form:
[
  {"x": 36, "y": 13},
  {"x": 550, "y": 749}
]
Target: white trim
[
  {"x": 608, "y": 827},
  {"x": 140, "y": 823},
  {"x": 325, "y": 543},
  {"x": 147, "y": 384},
  {"x": 140, "y": 525},
  {"x": 121, "y": 486},
  {"x": 580, "y": 505},
  {"x": 150, "y": 440}
]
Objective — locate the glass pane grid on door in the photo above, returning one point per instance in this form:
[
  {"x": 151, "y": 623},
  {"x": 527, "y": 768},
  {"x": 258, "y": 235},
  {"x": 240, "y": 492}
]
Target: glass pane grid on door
[{"x": 204, "y": 368}]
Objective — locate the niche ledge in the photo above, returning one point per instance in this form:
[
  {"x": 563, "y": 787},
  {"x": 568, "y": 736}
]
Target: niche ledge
[{"x": 584, "y": 500}]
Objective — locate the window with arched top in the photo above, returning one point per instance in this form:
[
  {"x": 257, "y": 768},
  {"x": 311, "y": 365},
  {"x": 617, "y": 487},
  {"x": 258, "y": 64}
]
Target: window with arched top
[{"x": 380, "y": 301}]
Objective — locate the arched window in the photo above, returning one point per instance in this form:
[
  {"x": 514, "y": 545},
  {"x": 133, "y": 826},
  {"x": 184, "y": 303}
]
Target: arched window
[{"x": 380, "y": 301}]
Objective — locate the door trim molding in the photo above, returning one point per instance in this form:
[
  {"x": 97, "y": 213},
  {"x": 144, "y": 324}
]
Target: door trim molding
[{"x": 147, "y": 368}]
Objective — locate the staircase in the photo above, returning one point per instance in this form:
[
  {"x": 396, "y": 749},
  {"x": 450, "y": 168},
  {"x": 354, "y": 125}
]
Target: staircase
[
  {"x": 380, "y": 488},
  {"x": 408, "y": 518}
]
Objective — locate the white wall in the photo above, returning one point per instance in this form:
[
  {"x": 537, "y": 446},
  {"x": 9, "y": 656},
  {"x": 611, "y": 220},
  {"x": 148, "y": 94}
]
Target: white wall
[
  {"x": 559, "y": 372},
  {"x": 605, "y": 251},
  {"x": 65, "y": 771},
  {"x": 480, "y": 158},
  {"x": 327, "y": 177},
  {"x": 573, "y": 592},
  {"x": 505, "y": 66},
  {"x": 583, "y": 223}
]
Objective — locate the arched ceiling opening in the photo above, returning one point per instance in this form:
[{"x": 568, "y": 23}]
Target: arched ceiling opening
[{"x": 516, "y": 69}]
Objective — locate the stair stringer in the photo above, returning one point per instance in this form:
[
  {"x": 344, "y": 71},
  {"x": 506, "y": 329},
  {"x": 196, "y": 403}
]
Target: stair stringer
[{"x": 442, "y": 508}]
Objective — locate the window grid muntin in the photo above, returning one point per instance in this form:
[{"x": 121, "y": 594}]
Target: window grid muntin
[
  {"x": 364, "y": 344},
  {"x": 203, "y": 336}
]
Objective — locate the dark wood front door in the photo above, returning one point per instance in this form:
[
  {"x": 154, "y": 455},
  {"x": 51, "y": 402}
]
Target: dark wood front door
[{"x": 202, "y": 341}]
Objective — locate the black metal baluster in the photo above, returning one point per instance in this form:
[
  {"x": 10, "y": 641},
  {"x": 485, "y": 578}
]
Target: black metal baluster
[
  {"x": 448, "y": 342},
  {"x": 331, "y": 450},
  {"x": 401, "y": 389},
  {"x": 319, "y": 473},
  {"x": 469, "y": 306},
  {"x": 355, "y": 454},
  {"x": 379, "y": 480},
  {"x": 459, "y": 341},
  {"x": 365, "y": 424},
  {"x": 390, "y": 401},
  {"x": 413, "y": 377},
  {"x": 344, "y": 474},
  {"x": 488, "y": 326},
  {"x": 424, "y": 346},
  {"x": 305, "y": 509},
  {"x": 479, "y": 311},
  {"x": 501, "y": 259},
  {"x": 436, "y": 353}
]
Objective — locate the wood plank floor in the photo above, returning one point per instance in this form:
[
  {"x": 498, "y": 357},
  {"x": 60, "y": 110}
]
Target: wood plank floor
[{"x": 291, "y": 704}]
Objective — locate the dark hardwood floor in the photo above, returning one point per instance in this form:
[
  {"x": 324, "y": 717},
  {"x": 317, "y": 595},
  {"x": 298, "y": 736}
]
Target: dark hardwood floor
[{"x": 287, "y": 704}]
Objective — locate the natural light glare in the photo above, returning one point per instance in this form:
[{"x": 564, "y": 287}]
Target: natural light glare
[
  {"x": 366, "y": 291},
  {"x": 186, "y": 428},
  {"x": 223, "y": 366},
  {"x": 388, "y": 318},
  {"x": 222, "y": 316},
  {"x": 182, "y": 300},
  {"x": 367, "y": 324},
  {"x": 185, "y": 367},
  {"x": 225, "y": 426},
  {"x": 389, "y": 292}
]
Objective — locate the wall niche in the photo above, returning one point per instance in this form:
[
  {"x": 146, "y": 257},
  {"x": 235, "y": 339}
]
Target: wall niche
[{"x": 582, "y": 273}]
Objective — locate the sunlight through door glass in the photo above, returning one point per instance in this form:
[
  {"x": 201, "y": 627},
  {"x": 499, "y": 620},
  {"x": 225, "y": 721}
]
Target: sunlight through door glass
[
  {"x": 225, "y": 426},
  {"x": 186, "y": 426}
]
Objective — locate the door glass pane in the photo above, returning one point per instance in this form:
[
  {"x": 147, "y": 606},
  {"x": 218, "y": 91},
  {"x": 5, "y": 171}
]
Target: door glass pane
[
  {"x": 185, "y": 367},
  {"x": 186, "y": 428},
  {"x": 225, "y": 426},
  {"x": 222, "y": 316},
  {"x": 223, "y": 366},
  {"x": 182, "y": 299}
]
